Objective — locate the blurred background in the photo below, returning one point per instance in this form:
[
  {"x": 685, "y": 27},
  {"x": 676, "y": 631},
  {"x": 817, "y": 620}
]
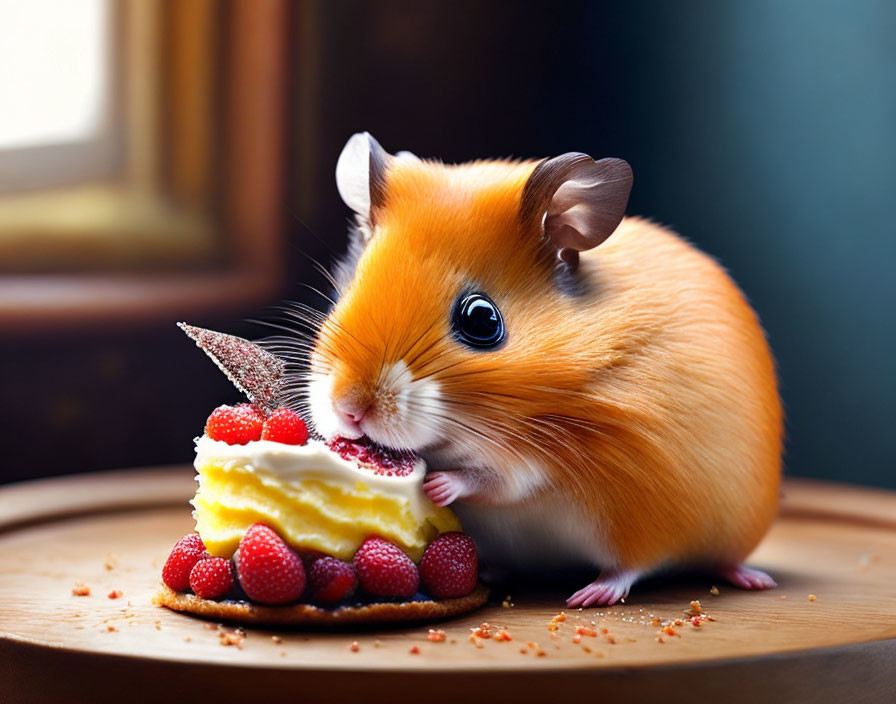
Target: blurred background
[{"x": 163, "y": 160}]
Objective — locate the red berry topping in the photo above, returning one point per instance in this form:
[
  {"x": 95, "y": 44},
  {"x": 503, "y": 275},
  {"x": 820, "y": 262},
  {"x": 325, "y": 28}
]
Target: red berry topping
[
  {"x": 269, "y": 572},
  {"x": 384, "y": 570},
  {"x": 331, "y": 580},
  {"x": 187, "y": 552},
  {"x": 235, "y": 425},
  {"x": 284, "y": 425},
  {"x": 450, "y": 566},
  {"x": 251, "y": 409},
  {"x": 211, "y": 577},
  {"x": 379, "y": 460}
]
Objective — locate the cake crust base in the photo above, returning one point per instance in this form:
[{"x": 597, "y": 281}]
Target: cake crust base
[{"x": 310, "y": 615}]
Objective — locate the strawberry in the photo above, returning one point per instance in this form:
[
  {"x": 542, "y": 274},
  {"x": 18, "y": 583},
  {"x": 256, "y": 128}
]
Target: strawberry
[
  {"x": 235, "y": 425},
  {"x": 284, "y": 425},
  {"x": 309, "y": 557},
  {"x": 251, "y": 409},
  {"x": 269, "y": 572},
  {"x": 450, "y": 566},
  {"x": 331, "y": 580},
  {"x": 384, "y": 570},
  {"x": 187, "y": 552},
  {"x": 211, "y": 577}
]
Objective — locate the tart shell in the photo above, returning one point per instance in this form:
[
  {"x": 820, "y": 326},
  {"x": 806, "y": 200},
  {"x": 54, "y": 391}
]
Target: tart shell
[{"x": 310, "y": 615}]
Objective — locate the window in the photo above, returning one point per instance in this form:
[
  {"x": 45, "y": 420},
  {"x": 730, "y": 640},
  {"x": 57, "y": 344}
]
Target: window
[
  {"x": 140, "y": 162},
  {"x": 58, "y": 120}
]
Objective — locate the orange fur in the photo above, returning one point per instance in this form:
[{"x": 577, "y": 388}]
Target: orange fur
[{"x": 650, "y": 400}]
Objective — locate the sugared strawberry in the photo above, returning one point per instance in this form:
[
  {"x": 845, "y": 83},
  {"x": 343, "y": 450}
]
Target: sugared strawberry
[
  {"x": 384, "y": 570},
  {"x": 186, "y": 552},
  {"x": 235, "y": 425},
  {"x": 450, "y": 566},
  {"x": 250, "y": 408},
  {"x": 284, "y": 425},
  {"x": 331, "y": 580},
  {"x": 269, "y": 572},
  {"x": 211, "y": 577}
]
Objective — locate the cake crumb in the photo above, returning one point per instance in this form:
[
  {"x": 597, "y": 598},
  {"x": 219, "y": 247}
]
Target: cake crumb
[
  {"x": 508, "y": 602},
  {"x": 111, "y": 562},
  {"x": 111, "y": 628},
  {"x": 482, "y": 630},
  {"x": 714, "y": 590},
  {"x": 414, "y": 650},
  {"x": 115, "y": 594},
  {"x": 782, "y": 597},
  {"x": 233, "y": 638},
  {"x": 158, "y": 625},
  {"x": 377, "y": 643},
  {"x": 81, "y": 589},
  {"x": 812, "y": 597},
  {"x": 354, "y": 647},
  {"x": 277, "y": 639},
  {"x": 436, "y": 635},
  {"x": 503, "y": 635},
  {"x": 187, "y": 639},
  {"x": 695, "y": 607}
]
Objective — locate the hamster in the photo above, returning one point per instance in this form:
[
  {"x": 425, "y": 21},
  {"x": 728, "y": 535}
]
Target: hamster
[{"x": 587, "y": 388}]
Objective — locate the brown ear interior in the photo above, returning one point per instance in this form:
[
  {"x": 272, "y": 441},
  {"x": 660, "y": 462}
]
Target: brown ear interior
[{"x": 577, "y": 201}]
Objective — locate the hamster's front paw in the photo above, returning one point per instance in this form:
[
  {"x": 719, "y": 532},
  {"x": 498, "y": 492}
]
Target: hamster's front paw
[{"x": 444, "y": 488}]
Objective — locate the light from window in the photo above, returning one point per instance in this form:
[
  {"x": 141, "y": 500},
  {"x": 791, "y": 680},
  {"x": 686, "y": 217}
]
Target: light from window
[{"x": 53, "y": 71}]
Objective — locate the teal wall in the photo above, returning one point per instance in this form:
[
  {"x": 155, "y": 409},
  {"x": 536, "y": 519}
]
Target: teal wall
[{"x": 766, "y": 133}]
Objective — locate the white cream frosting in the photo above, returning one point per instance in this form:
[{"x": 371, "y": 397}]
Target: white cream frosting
[{"x": 292, "y": 464}]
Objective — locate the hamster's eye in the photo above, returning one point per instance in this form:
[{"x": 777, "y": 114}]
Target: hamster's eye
[{"x": 477, "y": 322}]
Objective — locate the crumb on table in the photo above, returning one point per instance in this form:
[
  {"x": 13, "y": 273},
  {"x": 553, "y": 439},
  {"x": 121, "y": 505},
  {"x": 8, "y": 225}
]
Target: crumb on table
[{"x": 80, "y": 589}]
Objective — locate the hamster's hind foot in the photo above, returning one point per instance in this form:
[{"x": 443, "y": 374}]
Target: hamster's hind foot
[
  {"x": 746, "y": 577},
  {"x": 606, "y": 590}
]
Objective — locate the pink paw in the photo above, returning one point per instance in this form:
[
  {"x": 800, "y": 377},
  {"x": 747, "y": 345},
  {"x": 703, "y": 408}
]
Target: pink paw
[
  {"x": 444, "y": 488},
  {"x": 606, "y": 590},
  {"x": 746, "y": 577}
]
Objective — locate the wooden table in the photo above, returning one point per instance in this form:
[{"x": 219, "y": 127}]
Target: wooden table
[{"x": 112, "y": 531}]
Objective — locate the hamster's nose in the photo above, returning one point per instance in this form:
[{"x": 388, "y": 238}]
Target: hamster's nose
[{"x": 350, "y": 412}]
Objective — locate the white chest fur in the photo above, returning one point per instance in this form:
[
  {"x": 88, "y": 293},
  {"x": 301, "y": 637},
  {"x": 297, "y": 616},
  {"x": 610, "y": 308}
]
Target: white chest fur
[{"x": 541, "y": 533}]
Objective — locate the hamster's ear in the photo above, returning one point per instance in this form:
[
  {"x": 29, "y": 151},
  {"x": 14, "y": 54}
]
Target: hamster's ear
[
  {"x": 361, "y": 174},
  {"x": 577, "y": 201}
]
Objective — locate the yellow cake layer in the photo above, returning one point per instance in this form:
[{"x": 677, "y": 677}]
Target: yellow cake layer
[{"x": 309, "y": 514}]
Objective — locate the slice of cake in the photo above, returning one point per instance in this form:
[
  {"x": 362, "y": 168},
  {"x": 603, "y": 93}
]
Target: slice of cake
[
  {"x": 291, "y": 530},
  {"x": 316, "y": 499}
]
